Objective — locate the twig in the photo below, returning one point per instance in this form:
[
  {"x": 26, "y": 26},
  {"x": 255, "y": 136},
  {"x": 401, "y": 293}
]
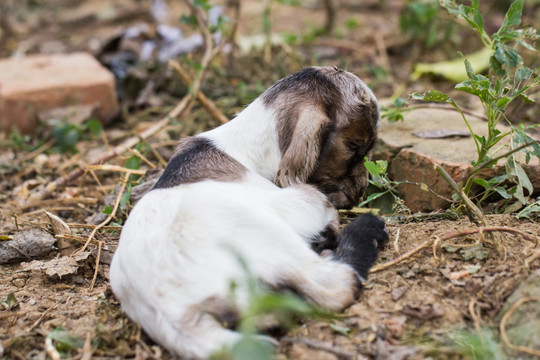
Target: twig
[
  {"x": 49, "y": 144},
  {"x": 396, "y": 239},
  {"x": 444, "y": 107},
  {"x": 473, "y": 208},
  {"x": 46, "y": 203},
  {"x": 502, "y": 327},
  {"x": 109, "y": 218},
  {"x": 142, "y": 157},
  {"x": 208, "y": 105},
  {"x": 96, "y": 270},
  {"x": 436, "y": 241},
  {"x": 38, "y": 321},
  {"x": 100, "y": 185},
  {"x": 108, "y": 167},
  {"x": 474, "y": 315},
  {"x": 341, "y": 353},
  {"x": 400, "y": 258},
  {"x": 110, "y": 154},
  {"x": 51, "y": 350},
  {"x": 331, "y": 11},
  {"x": 87, "y": 348},
  {"x": 160, "y": 159},
  {"x": 90, "y": 226}
]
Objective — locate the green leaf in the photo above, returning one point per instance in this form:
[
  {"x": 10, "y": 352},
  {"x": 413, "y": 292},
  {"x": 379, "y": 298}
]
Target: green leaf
[
  {"x": 134, "y": 162},
  {"x": 10, "y": 302},
  {"x": 371, "y": 197},
  {"x": 345, "y": 331},
  {"x": 376, "y": 168},
  {"x": 513, "y": 15},
  {"x": 503, "y": 192},
  {"x": 126, "y": 198},
  {"x": 453, "y": 69},
  {"x": 95, "y": 127},
  {"x": 107, "y": 210},
  {"x": 526, "y": 99},
  {"x": 249, "y": 348},
  {"x": 432, "y": 95},
  {"x": 503, "y": 101},
  {"x": 64, "y": 341},
  {"x": 529, "y": 210},
  {"x": 523, "y": 74}
]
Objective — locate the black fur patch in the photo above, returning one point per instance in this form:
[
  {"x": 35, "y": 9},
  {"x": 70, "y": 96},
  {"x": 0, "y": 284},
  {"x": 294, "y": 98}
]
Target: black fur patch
[
  {"x": 359, "y": 242},
  {"x": 197, "y": 159}
]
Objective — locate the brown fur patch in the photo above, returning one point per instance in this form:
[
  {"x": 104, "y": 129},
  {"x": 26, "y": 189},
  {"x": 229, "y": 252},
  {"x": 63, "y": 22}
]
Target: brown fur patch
[
  {"x": 223, "y": 311},
  {"x": 327, "y": 123},
  {"x": 197, "y": 159}
]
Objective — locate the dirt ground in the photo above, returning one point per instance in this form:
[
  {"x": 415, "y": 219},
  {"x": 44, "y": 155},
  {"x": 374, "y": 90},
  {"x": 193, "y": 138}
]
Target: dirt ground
[{"x": 409, "y": 310}]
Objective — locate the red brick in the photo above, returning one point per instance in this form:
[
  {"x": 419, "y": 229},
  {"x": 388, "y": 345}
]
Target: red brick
[
  {"x": 411, "y": 158},
  {"x": 37, "y": 83}
]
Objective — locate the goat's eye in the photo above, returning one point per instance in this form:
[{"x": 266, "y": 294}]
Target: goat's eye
[{"x": 352, "y": 146}]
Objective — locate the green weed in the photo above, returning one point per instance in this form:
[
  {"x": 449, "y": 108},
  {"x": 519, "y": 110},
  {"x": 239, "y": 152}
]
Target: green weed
[
  {"x": 420, "y": 20},
  {"x": 507, "y": 80}
]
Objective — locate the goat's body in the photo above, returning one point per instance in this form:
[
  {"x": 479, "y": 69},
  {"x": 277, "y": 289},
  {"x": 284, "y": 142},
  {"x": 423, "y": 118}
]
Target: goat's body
[
  {"x": 187, "y": 254},
  {"x": 215, "y": 212}
]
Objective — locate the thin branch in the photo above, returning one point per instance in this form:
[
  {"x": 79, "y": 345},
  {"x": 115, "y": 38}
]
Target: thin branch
[
  {"x": 436, "y": 241},
  {"x": 504, "y": 320},
  {"x": 108, "y": 167},
  {"x": 208, "y": 105},
  {"x": 109, "y": 218},
  {"x": 472, "y": 207},
  {"x": 397, "y": 260},
  {"x": 443, "y": 106}
]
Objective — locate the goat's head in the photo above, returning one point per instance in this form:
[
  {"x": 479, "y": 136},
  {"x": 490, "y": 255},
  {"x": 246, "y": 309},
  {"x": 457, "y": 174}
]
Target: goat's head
[{"x": 327, "y": 123}]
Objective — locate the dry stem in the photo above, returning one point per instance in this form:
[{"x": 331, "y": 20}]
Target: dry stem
[
  {"x": 435, "y": 242},
  {"x": 208, "y": 105},
  {"x": 504, "y": 320}
]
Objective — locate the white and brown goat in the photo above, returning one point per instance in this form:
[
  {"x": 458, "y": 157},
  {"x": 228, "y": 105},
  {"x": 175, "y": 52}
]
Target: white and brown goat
[{"x": 261, "y": 188}]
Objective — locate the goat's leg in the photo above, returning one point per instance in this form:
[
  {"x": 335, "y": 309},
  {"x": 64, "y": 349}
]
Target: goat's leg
[
  {"x": 331, "y": 283},
  {"x": 307, "y": 211}
]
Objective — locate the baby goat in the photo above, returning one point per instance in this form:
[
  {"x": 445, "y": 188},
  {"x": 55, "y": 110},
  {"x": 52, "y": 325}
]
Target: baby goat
[{"x": 260, "y": 188}]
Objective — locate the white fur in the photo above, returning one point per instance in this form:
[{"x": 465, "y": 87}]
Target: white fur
[{"x": 251, "y": 139}]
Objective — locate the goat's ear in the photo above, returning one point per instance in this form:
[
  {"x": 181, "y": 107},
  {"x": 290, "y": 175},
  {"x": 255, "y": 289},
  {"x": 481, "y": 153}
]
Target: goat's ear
[{"x": 300, "y": 158}]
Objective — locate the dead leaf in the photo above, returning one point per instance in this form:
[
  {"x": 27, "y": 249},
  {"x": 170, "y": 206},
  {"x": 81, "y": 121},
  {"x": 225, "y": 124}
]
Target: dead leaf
[
  {"x": 423, "y": 312},
  {"x": 454, "y": 69},
  {"x": 395, "y": 326},
  {"x": 441, "y": 133},
  {"x": 65, "y": 265},
  {"x": 398, "y": 292},
  {"x": 58, "y": 225},
  {"x": 387, "y": 351}
]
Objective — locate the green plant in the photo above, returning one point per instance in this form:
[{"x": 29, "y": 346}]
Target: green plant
[
  {"x": 420, "y": 20},
  {"x": 476, "y": 344},
  {"x": 507, "y": 80},
  {"x": 378, "y": 178},
  {"x": 67, "y": 135}
]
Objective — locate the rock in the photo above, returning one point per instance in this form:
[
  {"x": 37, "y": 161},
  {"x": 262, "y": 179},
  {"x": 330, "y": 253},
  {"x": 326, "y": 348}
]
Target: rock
[
  {"x": 523, "y": 326},
  {"x": 25, "y": 245},
  {"x": 412, "y": 158},
  {"x": 38, "y": 83}
]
